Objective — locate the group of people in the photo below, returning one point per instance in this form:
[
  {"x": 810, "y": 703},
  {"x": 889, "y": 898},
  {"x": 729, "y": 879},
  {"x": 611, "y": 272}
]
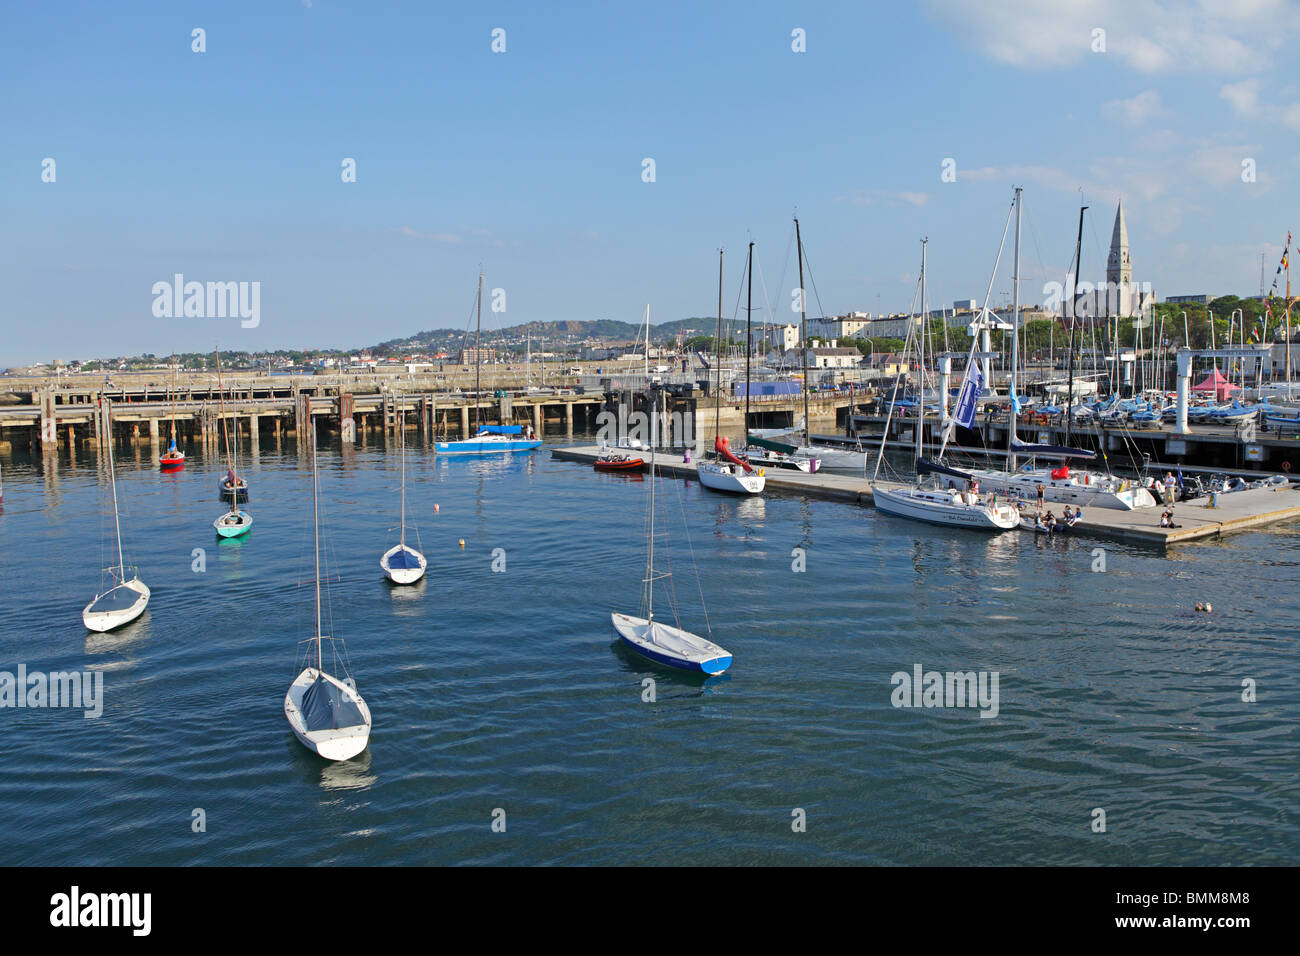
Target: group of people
[{"x": 1046, "y": 521}]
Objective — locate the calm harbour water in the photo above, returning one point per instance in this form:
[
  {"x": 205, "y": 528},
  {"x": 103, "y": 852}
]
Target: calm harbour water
[{"x": 506, "y": 690}]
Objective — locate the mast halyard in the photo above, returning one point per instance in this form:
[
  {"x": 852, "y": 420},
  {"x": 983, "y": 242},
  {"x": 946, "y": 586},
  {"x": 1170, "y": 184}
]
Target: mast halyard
[{"x": 803, "y": 332}]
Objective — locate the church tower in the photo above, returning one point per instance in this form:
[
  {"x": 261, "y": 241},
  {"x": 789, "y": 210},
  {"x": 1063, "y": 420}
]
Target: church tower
[{"x": 1119, "y": 270}]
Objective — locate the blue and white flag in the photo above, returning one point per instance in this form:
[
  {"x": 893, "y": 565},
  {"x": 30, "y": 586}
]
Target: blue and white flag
[
  {"x": 1015, "y": 400},
  {"x": 971, "y": 387}
]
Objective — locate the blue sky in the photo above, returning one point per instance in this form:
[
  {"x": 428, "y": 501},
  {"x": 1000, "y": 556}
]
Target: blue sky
[{"x": 225, "y": 165}]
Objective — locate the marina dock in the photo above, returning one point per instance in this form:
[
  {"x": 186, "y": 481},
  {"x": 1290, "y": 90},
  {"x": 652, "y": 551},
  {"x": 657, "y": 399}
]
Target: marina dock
[{"x": 1195, "y": 519}]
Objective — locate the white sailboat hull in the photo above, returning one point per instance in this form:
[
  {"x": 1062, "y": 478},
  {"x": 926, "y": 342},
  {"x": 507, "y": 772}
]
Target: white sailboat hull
[
  {"x": 1081, "y": 489},
  {"x": 728, "y": 477},
  {"x": 946, "y": 508},
  {"x": 343, "y": 743},
  {"x": 402, "y": 575},
  {"x": 671, "y": 646},
  {"x": 106, "y": 620}
]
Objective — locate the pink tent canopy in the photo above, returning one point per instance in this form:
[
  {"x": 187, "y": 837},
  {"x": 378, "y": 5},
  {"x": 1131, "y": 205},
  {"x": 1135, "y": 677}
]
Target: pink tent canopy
[{"x": 1216, "y": 383}]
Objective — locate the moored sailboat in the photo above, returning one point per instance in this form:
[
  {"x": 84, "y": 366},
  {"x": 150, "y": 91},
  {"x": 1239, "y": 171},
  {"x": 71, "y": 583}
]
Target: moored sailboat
[
  {"x": 173, "y": 459},
  {"x": 126, "y": 599},
  {"x": 403, "y": 564},
  {"x": 725, "y": 471},
  {"x": 671, "y": 646},
  {"x": 1056, "y": 484},
  {"x": 236, "y": 521},
  {"x": 931, "y": 498},
  {"x": 488, "y": 439},
  {"x": 326, "y": 714}
]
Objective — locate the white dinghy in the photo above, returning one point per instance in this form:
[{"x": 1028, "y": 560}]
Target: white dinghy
[
  {"x": 125, "y": 600},
  {"x": 326, "y": 714}
]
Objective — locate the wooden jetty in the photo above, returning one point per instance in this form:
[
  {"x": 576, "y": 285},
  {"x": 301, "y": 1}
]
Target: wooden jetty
[{"x": 1196, "y": 520}]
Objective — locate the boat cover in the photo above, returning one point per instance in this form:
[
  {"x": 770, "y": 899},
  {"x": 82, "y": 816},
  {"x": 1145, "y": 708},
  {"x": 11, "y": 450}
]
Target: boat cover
[
  {"x": 770, "y": 445},
  {"x": 1059, "y": 451},
  {"x": 119, "y": 598},
  {"x": 500, "y": 430},
  {"x": 403, "y": 558},
  {"x": 325, "y": 708}
]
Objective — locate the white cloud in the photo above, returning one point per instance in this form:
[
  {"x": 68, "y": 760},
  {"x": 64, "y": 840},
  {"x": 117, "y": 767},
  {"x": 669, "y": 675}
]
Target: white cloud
[
  {"x": 1243, "y": 96},
  {"x": 873, "y": 196},
  {"x": 1150, "y": 36},
  {"x": 450, "y": 238},
  {"x": 1135, "y": 111}
]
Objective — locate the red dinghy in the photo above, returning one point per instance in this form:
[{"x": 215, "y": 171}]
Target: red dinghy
[
  {"x": 173, "y": 460},
  {"x": 619, "y": 463}
]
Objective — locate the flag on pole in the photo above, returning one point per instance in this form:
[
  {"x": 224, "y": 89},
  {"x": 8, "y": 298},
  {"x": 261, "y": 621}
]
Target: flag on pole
[{"x": 971, "y": 387}]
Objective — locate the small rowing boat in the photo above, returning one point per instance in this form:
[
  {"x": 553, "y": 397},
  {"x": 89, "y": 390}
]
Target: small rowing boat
[{"x": 618, "y": 463}]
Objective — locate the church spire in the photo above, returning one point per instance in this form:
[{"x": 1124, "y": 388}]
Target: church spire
[{"x": 1119, "y": 269}]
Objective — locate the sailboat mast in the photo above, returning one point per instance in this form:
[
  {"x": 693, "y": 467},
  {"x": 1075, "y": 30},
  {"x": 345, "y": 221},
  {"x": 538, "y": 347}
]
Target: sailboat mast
[
  {"x": 920, "y": 409},
  {"x": 803, "y": 332},
  {"x": 1015, "y": 338},
  {"x": 401, "y": 444},
  {"x": 1287, "y": 255},
  {"x": 478, "y": 358},
  {"x": 717, "y": 359},
  {"x": 112, "y": 480},
  {"x": 1074, "y": 314},
  {"x": 234, "y": 476},
  {"x": 173, "y": 400},
  {"x": 315, "y": 516},
  {"x": 650, "y": 550},
  {"x": 749, "y": 347}
]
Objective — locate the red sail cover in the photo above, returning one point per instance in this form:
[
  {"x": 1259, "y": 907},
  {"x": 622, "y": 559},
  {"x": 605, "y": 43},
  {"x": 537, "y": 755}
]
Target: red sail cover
[
  {"x": 1062, "y": 472},
  {"x": 722, "y": 447}
]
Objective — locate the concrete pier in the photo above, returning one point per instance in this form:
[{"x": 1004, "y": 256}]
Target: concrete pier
[{"x": 1236, "y": 511}]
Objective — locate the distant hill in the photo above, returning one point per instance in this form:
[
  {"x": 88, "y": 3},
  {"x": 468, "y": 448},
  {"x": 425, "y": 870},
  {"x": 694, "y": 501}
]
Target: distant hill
[{"x": 545, "y": 334}]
